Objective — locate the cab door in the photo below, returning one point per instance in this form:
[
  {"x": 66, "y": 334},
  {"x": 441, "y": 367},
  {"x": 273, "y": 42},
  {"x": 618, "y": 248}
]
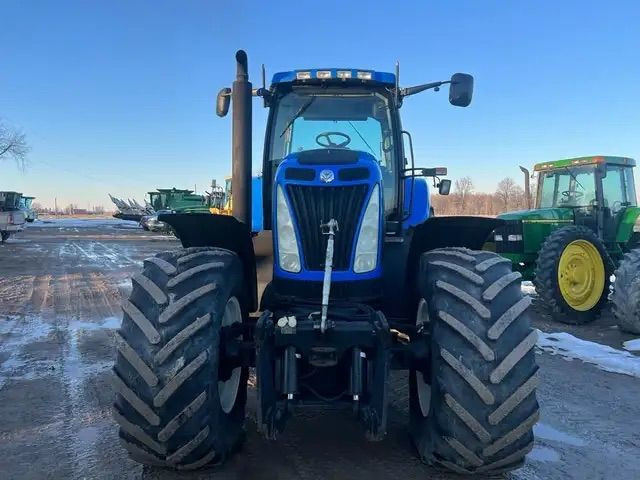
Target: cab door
[{"x": 618, "y": 193}]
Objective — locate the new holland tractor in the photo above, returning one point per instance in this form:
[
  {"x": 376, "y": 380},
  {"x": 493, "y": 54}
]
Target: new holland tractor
[
  {"x": 585, "y": 224},
  {"x": 362, "y": 281}
]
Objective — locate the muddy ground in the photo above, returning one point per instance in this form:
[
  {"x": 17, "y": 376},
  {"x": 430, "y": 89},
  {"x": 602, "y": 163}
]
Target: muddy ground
[{"x": 60, "y": 293}]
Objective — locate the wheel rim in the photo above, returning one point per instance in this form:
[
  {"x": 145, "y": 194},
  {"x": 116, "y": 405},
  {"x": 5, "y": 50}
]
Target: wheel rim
[
  {"x": 581, "y": 275},
  {"x": 228, "y": 389},
  {"x": 422, "y": 387}
]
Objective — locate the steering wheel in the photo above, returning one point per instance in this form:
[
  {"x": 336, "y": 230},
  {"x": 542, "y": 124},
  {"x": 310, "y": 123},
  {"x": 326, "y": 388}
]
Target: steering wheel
[
  {"x": 575, "y": 194},
  {"x": 329, "y": 143}
]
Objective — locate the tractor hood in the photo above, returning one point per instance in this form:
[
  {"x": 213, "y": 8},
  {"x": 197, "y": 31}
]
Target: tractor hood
[{"x": 541, "y": 215}]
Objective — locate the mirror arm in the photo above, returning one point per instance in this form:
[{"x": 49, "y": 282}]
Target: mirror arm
[
  {"x": 405, "y": 92},
  {"x": 264, "y": 93}
]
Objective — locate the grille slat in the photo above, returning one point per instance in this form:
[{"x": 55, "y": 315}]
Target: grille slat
[{"x": 313, "y": 206}]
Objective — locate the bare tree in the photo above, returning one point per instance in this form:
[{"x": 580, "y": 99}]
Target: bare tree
[
  {"x": 464, "y": 188},
  {"x": 70, "y": 209},
  {"x": 13, "y": 144},
  {"x": 509, "y": 194}
]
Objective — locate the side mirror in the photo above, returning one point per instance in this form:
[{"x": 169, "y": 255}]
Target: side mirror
[
  {"x": 444, "y": 187},
  {"x": 461, "y": 89},
  {"x": 223, "y": 101}
]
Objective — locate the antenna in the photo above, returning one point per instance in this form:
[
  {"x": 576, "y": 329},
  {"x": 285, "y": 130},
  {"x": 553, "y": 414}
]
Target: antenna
[
  {"x": 264, "y": 87},
  {"x": 398, "y": 83}
]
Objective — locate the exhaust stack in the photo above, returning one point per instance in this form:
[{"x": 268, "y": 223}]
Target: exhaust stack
[
  {"x": 527, "y": 187},
  {"x": 241, "y": 144}
]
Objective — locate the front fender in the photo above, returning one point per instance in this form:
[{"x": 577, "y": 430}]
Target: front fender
[
  {"x": 221, "y": 231},
  {"x": 441, "y": 232}
]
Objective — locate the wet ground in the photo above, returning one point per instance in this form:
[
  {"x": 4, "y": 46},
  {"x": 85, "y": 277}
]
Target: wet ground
[{"x": 60, "y": 291}]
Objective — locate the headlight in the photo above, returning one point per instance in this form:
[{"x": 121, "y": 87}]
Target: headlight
[
  {"x": 498, "y": 237},
  {"x": 288, "y": 255},
  {"x": 636, "y": 225},
  {"x": 367, "y": 247},
  {"x": 514, "y": 238}
]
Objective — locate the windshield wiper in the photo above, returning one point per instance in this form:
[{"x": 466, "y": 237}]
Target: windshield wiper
[
  {"x": 574, "y": 177},
  {"x": 362, "y": 138},
  {"x": 300, "y": 111}
]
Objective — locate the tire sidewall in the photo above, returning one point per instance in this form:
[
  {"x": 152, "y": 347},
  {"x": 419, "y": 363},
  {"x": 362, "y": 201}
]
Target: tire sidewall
[{"x": 228, "y": 427}]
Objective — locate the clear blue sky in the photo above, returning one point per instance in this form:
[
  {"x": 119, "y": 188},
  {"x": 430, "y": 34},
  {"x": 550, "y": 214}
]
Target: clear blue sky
[{"x": 118, "y": 96}]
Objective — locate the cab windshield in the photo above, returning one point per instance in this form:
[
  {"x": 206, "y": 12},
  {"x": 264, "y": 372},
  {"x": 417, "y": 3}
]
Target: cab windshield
[
  {"x": 567, "y": 187},
  {"x": 310, "y": 119}
]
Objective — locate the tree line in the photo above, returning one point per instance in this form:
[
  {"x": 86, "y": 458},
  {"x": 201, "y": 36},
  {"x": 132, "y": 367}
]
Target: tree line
[{"x": 464, "y": 200}]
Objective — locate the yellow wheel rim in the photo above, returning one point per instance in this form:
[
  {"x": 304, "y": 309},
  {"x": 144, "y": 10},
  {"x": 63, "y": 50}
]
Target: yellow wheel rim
[{"x": 581, "y": 275}]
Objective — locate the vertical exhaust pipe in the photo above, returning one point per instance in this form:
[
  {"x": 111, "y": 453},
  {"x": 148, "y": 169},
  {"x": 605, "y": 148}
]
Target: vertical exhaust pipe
[
  {"x": 241, "y": 96},
  {"x": 527, "y": 187}
]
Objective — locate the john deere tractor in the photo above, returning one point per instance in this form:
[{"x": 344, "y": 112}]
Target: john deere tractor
[
  {"x": 362, "y": 281},
  {"x": 585, "y": 223}
]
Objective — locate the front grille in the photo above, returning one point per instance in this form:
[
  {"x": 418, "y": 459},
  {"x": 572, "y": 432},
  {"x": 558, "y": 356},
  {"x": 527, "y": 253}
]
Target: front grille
[
  {"x": 511, "y": 227},
  {"x": 292, "y": 173},
  {"x": 313, "y": 206}
]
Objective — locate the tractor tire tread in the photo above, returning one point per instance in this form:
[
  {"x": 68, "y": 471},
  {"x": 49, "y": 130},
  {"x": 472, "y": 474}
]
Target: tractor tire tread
[
  {"x": 167, "y": 404},
  {"x": 483, "y": 372},
  {"x": 625, "y": 298}
]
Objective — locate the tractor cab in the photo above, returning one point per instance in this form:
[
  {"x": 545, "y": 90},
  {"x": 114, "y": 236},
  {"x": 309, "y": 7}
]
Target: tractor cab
[
  {"x": 175, "y": 199},
  {"x": 598, "y": 190},
  {"x": 9, "y": 201},
  {"x": 334, "y": 150}
]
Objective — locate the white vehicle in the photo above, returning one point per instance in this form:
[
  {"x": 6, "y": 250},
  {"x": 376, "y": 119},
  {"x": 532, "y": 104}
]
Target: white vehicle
[{"x": 11, "y": 217}]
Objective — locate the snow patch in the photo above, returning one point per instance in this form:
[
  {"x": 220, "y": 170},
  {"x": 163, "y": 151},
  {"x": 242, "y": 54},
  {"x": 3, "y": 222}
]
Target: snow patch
[
  {"x": 632, "y": 345},
  {"x": 528, "y": 288},
  {"x": 547, "y": 432},
  {"x": 543, "y": 454},
  {"x": 602, "y": 356},
  {"x": 87, "y": 223}
]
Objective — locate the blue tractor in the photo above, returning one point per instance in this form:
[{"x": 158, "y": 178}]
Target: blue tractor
[{"x": 362, "y": 281}]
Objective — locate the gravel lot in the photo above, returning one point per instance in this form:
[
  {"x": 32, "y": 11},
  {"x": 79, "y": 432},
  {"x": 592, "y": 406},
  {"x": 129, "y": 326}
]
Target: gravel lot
[{"x": 61, "y": 285}]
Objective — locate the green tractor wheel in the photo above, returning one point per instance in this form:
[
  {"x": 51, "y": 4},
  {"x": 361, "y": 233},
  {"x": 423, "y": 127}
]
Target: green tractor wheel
[
  {"x": 572, "y": 275},
  {"x": 626, "y": 293}
]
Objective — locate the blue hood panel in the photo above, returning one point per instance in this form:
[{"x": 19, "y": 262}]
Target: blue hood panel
[{"x": 322, "y": 169}]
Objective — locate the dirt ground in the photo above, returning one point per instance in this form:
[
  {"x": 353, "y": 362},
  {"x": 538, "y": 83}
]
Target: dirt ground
[{"x": 61, "y": 285}]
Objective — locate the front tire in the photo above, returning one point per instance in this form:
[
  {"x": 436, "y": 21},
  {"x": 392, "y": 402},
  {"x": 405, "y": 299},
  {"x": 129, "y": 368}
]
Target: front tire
[
  {"x": 473, "y": 405},
  {"x": 572, "y": 275},
  {"x": 4, "y": 236},
  {"x": 176, "y": 404}
]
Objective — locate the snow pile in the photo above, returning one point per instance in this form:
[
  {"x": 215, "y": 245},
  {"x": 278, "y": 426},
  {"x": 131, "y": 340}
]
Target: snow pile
[
  {"x": 632, "y": 345},
  {"x": 602, "y": 356}
]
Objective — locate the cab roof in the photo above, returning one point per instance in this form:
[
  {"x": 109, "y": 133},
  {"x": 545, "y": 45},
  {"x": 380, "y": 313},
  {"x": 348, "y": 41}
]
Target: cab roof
[
  {"x": 596, "y": 159},
  {"x": 334, "y": 75},
  {"x": 172, "y": 190}
]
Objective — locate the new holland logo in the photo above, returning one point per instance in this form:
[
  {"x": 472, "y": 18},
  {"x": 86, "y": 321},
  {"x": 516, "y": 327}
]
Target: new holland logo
[{"x": 326, "y": 176}]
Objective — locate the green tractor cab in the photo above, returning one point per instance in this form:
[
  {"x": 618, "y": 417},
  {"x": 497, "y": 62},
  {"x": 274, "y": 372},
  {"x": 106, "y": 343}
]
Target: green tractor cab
[
  {"x": 176, "y": 199},
  {"x": 584, "y": 222}
]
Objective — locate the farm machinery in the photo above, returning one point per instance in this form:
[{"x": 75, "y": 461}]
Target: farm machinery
[
  {"x": 362, "y": 281},
  {"x": 585, "y": 224},
  {"x": 12, "y": 218}
]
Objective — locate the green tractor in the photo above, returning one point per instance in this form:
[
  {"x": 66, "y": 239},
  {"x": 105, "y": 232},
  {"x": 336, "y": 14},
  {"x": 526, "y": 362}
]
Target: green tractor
[{"x": 584, "y": 225}]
